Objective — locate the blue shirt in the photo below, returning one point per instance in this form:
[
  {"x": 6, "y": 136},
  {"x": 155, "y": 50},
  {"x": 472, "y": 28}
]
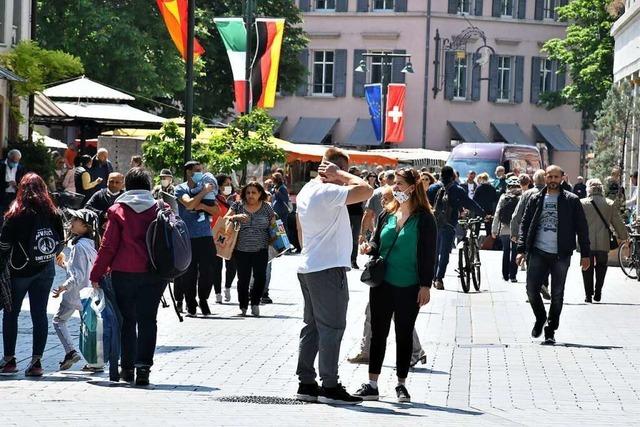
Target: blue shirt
[{"x": 196, "y": 228}]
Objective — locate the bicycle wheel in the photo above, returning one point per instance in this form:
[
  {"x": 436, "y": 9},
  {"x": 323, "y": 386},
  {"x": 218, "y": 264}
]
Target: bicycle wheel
[
  {"x": 475, "y": 267},
  {"x": 627, "y": 262},
  {"x": 463, "y": 268}
]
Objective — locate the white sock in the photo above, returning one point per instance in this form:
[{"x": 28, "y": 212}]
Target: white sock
[{"x": 373, "y": 384}]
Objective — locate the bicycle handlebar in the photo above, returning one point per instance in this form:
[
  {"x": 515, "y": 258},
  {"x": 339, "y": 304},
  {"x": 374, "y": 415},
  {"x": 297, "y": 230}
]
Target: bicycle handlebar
[{"x": 471, "y": 221}]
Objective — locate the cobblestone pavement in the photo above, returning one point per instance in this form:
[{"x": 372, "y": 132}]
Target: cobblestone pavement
[{"x": 482, "y": 367}]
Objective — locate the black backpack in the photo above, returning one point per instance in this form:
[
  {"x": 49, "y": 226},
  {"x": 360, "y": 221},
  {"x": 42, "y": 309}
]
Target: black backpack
[
  {"x": 508, "y": 208},
  {"x": 44, "y": 243},
  {"x": 442, "y": 209},
  {"x": 168, "y": 244}
]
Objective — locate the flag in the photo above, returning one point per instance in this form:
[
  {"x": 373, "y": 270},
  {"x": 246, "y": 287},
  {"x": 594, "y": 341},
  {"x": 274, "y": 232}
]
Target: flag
[
  {"x": 234, "y": 36},
  {"x": 373, "y": 95},
  {"x": 174, "y": 14},
  {"x": 264, "y": 71},
  {"x": 394, "y": 120}
]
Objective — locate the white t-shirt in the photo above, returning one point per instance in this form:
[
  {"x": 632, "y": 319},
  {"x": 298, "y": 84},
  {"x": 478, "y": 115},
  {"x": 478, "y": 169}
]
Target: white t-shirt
[{"x": 326, "y": 231}]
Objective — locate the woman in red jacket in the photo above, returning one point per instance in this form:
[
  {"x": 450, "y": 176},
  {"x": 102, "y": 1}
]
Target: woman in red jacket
[{"x": 138, "y": 291}]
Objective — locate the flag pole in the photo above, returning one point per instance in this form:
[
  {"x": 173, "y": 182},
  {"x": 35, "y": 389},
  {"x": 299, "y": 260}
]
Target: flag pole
[
  {"x": 248, "y": 22},
  {"x": 188, "y": 120}
]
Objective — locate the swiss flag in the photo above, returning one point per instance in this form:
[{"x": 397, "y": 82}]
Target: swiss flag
[{"x": 394, "y": 122}]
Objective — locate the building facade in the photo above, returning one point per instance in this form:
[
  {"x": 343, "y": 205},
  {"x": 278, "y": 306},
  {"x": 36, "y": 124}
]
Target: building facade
[{"x": 478, "y": 74}]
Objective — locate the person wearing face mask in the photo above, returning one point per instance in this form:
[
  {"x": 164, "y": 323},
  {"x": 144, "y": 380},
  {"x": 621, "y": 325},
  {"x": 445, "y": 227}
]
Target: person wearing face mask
[
  {"x": 501, "y": 226},
  {"x": 11, "y": 172},
  {"x": 102, "y": 200},
  {"x": 166, "y": 184},
  {"x": 405, "y": 239},
  {"x": 225, "y": 198}
]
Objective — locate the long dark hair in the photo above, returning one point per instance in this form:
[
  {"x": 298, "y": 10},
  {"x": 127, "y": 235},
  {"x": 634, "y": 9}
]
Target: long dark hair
[{"x": 33, "y": 197}]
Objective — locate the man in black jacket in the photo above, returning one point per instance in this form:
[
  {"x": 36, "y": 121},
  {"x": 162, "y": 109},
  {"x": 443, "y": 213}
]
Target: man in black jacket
[
  {"x": 102, "y": 200},
  {"x": 551, "y": 221},
  {"x": 11, "y": 172}
]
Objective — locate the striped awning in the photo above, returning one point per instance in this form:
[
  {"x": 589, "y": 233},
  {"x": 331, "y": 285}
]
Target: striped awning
[{"x": 45, "y": 107}]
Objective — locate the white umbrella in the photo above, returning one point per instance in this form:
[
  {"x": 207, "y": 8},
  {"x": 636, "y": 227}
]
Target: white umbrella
[{"x": 48, "y": 141}]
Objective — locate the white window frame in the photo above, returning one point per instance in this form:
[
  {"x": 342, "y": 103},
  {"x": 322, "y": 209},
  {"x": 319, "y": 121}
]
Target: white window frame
[
  {"x": 385, "y": 7},
  {"x": 549, "y": 9},
  {"x": 459, "y": 64},
  {"x": 508, "y": 80},
  {"x": 325, "y": 64},
  {"x": 547, "y": 74},
  {"x": 503, "y": 7},
  {"x": 461, "y": 7},
  {"x": 325, "y": 8}
]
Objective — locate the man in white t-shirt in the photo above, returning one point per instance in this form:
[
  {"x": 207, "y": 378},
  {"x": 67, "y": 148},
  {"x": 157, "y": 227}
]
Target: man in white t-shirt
[{"x": 324, "y": 232}]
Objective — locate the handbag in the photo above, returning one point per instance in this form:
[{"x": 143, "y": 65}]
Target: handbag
[
  {"x": 613, "y": 241},
  {"x": 225, "y": 236},
  {"x": 375, "y": 269}
]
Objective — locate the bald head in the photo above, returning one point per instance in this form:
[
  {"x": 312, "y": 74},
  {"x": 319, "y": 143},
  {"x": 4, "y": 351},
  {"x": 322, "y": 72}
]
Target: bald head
[{"x": 115, "y": 183}]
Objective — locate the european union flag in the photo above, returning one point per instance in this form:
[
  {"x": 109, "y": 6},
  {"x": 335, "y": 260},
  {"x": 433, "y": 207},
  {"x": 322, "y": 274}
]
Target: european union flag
[{"x": 373, "y": 94}]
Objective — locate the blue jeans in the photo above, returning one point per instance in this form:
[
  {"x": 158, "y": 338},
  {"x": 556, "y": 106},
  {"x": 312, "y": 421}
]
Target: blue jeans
[
  {"x": 444, "y": 243},
  {"x": 38, "y": 288},
  {"x": 138, "y": 296},
  {"x": 509, "y": 253},
  {"x": 539, "y": 265}
]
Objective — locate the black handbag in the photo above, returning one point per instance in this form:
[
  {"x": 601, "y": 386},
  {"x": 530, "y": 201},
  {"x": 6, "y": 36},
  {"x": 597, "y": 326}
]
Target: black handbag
[
  {"x": 613, "y": 241},
  {"x": 374, "y": 269}
]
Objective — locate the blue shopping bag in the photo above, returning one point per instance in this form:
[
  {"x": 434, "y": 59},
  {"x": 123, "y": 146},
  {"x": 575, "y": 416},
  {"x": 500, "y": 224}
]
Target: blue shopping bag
[
  {"x": 99, "y": 327},
  {"x": 281, "y": 242}
]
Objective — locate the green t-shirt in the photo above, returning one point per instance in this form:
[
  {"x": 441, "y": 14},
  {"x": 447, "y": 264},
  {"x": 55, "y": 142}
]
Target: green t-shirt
[{"x": 402, "y": 263}]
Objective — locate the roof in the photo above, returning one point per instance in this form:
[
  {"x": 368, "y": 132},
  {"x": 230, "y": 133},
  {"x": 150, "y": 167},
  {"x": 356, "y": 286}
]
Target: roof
[
  {"x": 278, "y": 126},
  {"x": 44, "y": 107},
  {"x": 555, "y": 136},
  {"x": 362, "y": 134},
  {"x": 84, "y": 88},
  {"x": 105, "y": 113},
  {"x": 9, "y": 75},
  {"x": 312, "y": 130},
  {"x": 468, "y": 131},
  {"x": 511, "y": 133}
]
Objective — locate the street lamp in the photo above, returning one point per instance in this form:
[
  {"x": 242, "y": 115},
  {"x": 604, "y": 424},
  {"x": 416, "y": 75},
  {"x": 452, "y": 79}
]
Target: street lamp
[{"x": 386, "y": 64}]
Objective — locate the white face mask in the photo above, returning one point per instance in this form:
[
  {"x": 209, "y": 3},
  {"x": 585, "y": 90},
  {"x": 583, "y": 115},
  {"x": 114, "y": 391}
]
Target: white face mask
[
  {"x": 165, "y": 182},
  {"x": 400, "y": 196},
  {"x": 226, "y": 190}
]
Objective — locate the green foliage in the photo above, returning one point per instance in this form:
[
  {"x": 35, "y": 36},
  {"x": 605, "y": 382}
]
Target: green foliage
[
  {"x": 587, "y": 53},
  {"x": 615, "y": 123},
  {"x": 35, "y": 157}
]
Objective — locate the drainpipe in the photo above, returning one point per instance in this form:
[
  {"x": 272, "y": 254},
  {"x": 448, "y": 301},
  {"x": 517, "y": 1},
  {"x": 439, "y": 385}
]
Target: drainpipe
[{"x": 425, "y": 96}]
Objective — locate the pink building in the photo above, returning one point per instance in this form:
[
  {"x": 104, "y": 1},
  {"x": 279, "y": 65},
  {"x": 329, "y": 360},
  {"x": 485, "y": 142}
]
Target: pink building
[{"x": 470, "y": 94}]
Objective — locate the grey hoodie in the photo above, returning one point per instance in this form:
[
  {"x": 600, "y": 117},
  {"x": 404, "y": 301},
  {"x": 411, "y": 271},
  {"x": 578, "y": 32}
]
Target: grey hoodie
[{"x": 138, "y": 200}]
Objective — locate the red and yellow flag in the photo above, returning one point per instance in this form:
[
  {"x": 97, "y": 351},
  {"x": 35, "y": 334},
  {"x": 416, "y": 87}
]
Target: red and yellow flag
[
  {"x": 174, "y": 14},
  {"x": 264, "y": 74}
]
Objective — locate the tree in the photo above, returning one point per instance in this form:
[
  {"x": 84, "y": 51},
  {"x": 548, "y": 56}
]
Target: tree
[
  {"x": 618, "y": 119},
  {"x": 587, "y": 53}
]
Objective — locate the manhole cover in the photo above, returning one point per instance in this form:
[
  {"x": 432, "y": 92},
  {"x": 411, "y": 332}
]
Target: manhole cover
[{"x": 261, "y": 400}]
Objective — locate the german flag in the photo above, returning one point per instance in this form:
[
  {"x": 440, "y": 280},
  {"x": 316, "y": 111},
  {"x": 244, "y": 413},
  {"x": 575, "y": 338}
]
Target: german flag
[
  {"x": 174, "y": 14},
  {"x": 264, "y": 73}
]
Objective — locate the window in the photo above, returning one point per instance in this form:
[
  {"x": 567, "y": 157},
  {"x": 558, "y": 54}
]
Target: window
[
  {"x": 323, "y": 72},
  {"x": 546, "y": 76},
  {"x": 325, "y": 5},
  {"x": 506, "y": 8},
  {"x": 504, "y": 78},
  {"x": 17, "y": 21},
  {"x": 376, "y": 67},
  {"x": 3, "y": 5},
  {"x": 460, "y": 78},
  {"x": 383, "y": 4},
  {"x": 464, "y": 7},
  {"x": 549, "y": 9}
]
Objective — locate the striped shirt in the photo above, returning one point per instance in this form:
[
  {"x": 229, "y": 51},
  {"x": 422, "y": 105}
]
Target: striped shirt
[{"x": 254, "y": 234}]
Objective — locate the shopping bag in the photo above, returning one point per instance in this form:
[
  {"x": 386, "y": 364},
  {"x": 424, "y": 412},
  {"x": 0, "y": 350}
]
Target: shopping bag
[
  {"x": 281, "y": 242},
  {"x": 225, "y": 235},
  {"x": 98, "y": 324}
]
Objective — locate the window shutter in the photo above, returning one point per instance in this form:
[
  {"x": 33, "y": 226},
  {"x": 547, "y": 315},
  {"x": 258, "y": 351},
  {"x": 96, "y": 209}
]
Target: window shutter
[
  {"x": 495, "y": 10},
  {"x": 304, "y": 5},
  {"x": 477, "y": 9},
  {"x": 539, "y": 10},
  {"x": 449, "y": 74},
  {"x": 340, "y": 72},
  {"x": 522, "y": 9},
  {"x": 400, "y": 6},
  {"x": 519, "y": 83},
  {"x": 397, "y": 76},
  {"x": 535, "y": 79},
  {"x": 363, "y": 6},
  {"x": 359, "y": 79},
  {"x": 453, "y": 6},
  {"x": 342, "y": 5},
  {"x": 493, "y": 78},
  {"x": 476, "y": 74},
  {"x": 303, "y": 57}
]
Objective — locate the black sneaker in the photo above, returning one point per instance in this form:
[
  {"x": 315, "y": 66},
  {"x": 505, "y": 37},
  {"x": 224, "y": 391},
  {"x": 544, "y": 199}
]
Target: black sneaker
[
  {"x": 337, "y": 396},
  {"x": 34, "y": 370},
  {"x": 597, "y": 296},
  {"x": 266, "y": 300},
  {"x": 308, "y": 392},
  {"x": 127, "y": 375},
  {"x": 549, "y": 336},
  {"x": 588, "y": 300},
  {"x": 8, "y": 367},
  {"x": 142, "y": 376},
  {"x": 537, "y": 328},
  {"x": 367, "y": 392},
  {"x": 204, "y": 308},
  {"x": 439, "y": 284},
  {"x": 403, "y": 394},
  {"x": 69, "y": 360}
]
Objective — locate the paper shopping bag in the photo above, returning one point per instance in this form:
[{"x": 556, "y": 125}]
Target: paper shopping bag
[{"x": 225, "y": 235}]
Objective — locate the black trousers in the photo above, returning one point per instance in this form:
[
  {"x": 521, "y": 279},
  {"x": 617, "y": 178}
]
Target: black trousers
[
  {"x": 204, "y": 272},
  {"x": 387, "y": 301},
  {"x": 539, "y": 265},
  {"x": 599, "y": 259},
  {"x": 356, "y": 223},
  {"x": 248, "y": 264},
  {"x": 229, "y": 272}
]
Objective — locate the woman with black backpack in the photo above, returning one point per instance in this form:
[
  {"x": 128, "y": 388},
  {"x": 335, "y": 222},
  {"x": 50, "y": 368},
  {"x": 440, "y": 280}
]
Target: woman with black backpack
[
  {"x": 502, "y": 227},
  {"x": 32, "y": 234}
]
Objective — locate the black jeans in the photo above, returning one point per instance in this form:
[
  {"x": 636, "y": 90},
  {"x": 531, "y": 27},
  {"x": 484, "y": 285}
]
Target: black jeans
[
  {"x": 387, "y": 301},
  {"x": 248, "y": 264},
  {"x": 229, "y": 272},
  {"x": 203, "y": 273},
  {"x": 539, "y": 265},
  {"x": 138, "y": 296},
  {"x": 509, "y": 253},
  {"x": 599, "y": 259}
]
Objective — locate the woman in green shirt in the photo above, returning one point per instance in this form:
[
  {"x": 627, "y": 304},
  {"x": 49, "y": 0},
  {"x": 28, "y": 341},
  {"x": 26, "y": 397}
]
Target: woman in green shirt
[{"x": 406, "y": 239}]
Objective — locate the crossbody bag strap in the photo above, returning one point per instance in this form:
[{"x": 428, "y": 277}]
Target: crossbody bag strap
[
  {"x": 606, "y": 224},
  {"x": 398, "y": 235}
]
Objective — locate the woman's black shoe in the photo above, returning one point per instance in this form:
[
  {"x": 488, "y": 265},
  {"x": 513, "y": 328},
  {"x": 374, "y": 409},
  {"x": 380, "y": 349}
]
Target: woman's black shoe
[
  {"x": 127, "y": 375},
  {"x": 142, "y": 376}
]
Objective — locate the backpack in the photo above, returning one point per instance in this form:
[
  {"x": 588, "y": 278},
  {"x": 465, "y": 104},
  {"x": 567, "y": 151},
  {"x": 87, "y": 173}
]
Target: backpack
[
  {"x": 442, "y": 209},
  {"x": 168, "y": 244},
  {"x": 44, "y": 243},
  {"x": 508, "y": 208}
]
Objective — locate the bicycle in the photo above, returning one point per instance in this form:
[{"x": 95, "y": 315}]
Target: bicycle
[
  {"x": 629, "y": 254},
  {"x": 469, "y": 255}
]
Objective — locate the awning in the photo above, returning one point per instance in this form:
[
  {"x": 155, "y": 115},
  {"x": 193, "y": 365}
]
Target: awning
[
  {"x": 9, "y": 75},
  {"x": 278, "y": 126},
  {"x": 555, "y": 136},
  {"x": 362, "y": 134},
  {"x": 84, "y": 88},
  {"x": 468, "y": 131},
  {"x": 417, "y": 157},
  {"x": 312, "y": 130},
  {"x": 48, "y": 141},
  {"x": 44, "y": 107},
  {"x": 511, "y": 133},
  {"x": 108, "y": 113}
]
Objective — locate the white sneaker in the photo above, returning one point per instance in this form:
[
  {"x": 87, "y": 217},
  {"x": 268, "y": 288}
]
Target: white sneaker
[
  {"x": 218, "y": 298},
  {"x": 255, "y": 310},
  {"x": 227, "y": 294}
]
